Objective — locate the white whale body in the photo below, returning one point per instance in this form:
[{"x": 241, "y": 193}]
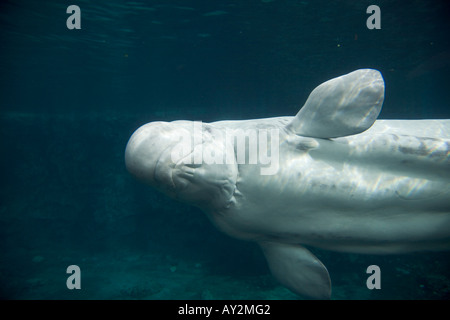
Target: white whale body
[{"x": 344, "y": 181}]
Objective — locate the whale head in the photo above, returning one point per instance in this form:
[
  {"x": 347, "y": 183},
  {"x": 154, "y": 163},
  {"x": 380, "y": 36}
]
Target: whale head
[{"x": 163, "y": 155}]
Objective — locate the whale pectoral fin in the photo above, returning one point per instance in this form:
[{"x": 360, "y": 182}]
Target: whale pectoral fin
[
  {"x": 342, "y": 106},
  {"x": 298, "y": 269}
]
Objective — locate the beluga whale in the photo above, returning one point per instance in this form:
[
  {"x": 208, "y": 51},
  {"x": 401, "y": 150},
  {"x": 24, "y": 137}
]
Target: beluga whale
[{"x": 332, "y": 177}]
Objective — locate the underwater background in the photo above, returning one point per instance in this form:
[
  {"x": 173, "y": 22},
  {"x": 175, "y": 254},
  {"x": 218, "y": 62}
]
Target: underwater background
[{"x": 70, "y": 100}]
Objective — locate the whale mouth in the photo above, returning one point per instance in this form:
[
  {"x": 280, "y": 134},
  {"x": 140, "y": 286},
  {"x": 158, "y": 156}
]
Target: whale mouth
[
  {"x": 171, "y": 176},
  {"x": 183, "y": 172},
  {"x": 162, "y": 173}
]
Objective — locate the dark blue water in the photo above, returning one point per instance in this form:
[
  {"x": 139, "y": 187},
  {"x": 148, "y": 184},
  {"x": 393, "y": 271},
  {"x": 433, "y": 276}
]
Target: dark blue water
[{"x": 70, "y": 99}]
